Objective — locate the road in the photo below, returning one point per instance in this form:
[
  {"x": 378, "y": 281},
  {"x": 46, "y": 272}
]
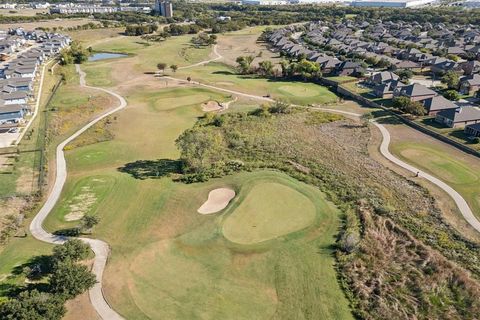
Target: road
[{"x": 100, "y": 248}]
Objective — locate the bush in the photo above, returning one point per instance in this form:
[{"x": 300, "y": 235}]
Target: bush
[{"x": 452, "y": 95}]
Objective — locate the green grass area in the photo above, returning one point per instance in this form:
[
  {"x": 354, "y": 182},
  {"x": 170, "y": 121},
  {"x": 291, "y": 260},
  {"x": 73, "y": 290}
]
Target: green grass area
[
  {"x": 224, "y": 76},
  {"x": 269, "y": 210},
  {"x": 176, "y": 50},
  {"x": 98, "y": 75},
  {"x": 342, "y": 79},
  {"x": 462, "y": 176},
  {"x": 166, "y": 255},
  {"x": 184, "y": 260}
]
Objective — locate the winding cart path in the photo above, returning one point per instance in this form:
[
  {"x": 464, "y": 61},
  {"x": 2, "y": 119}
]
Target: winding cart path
[{"x": 99, "y": 247}]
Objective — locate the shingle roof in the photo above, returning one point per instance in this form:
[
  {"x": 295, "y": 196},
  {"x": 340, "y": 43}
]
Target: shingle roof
[{"x": 461, "y": 114}]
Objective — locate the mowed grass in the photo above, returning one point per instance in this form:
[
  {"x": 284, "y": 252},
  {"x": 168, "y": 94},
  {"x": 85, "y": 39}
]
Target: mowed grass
[
  {"x": 176, "y": 263},
  {"x": 269, "y": 210},
  {"x": 168, "y": 261},
  {"x": 224, "y": 76},
  {"x": 462, "y": 176},
  {"x": 176, "y": 50}
]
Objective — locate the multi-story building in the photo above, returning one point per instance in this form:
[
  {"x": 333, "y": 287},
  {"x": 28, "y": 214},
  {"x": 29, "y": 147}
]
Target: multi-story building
[{"x": 165, "y": 8}]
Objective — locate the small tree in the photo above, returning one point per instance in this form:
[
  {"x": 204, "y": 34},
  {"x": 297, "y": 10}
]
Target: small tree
[
  {"x": 451, "y": 95},
  {"x": 72, "y": 250},
  {"x": 161, "y": 66},
  {"x": 265, "y": 68},
  {"x": 88, "y": 222},
  {"x": 69, "y": 279},
  {"x": 451, "y": 79},
  {"x": 174, "y": 68},
  {"x": 404, "y": 74}
]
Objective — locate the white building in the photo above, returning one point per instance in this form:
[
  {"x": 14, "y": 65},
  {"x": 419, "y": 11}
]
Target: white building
[
  {"x": 471, "y": 4},
  {"x": 391, "y": 3},
  {"x": 265, "y": 2}
]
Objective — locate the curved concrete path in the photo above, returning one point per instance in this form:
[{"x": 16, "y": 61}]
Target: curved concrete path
[
  {"x": 457, "y": 198},
  {"x": 100, "y": 248},
  {"x": 218, "y": 56}
]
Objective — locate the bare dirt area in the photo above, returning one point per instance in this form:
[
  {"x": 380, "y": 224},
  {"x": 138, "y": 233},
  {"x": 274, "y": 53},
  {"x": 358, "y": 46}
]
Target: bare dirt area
[
  {"x": 245, "y": 43},
  {"x": 26, "y": 181},
  {"x": 211, "y": 106},
  {"x": 218, "y": 200},
  {"x": 65, "y": 23}
]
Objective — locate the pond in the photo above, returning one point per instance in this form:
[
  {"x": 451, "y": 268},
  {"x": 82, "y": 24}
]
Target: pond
[{"x": 106, "y": 55}]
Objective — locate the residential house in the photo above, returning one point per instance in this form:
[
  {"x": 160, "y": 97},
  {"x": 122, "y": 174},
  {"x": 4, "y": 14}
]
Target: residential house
[
  {"x": 416, "y": 92},
  {"x": 438, "y": 103},
  {"x": 470, "y": 67},
  {"x": 385, "y": 90},
  {"x": 459, "y": 117},
  {"x": 13, "y": 113},
  {"x": 381, "y": 77},
  {"x": 470, "y": 84},
  {"x": 16, "y": 97},
  {"x": 472, "y": 130},
  {"x": 349, "y": 68}
]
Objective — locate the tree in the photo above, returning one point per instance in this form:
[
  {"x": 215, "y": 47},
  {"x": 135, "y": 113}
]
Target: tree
[
  {"x": 451, "y": 79},
  {"x": 245, "y": 64},
  {"x": 88, "y": 222},
  {"x": 451, "y": 95},
  {"x": 174, "y": 68},
  {"x": 383, "y": 63},
  {"x": 200, "y": 148},
  {"x": 307, "y": 69},
  {"x": 413, "y": 107},
  {"x": 72, "y": 250},
  {"x": 161, "y": 66},
  {"x": 32, "y": 305},
  {"x": 265, "y": 68},
  {"x": 69, "y": 279},
  {"x": 280, "y": 106},
  {"x": 285, "y": 67},
  {"x": 404, "y": 74}
]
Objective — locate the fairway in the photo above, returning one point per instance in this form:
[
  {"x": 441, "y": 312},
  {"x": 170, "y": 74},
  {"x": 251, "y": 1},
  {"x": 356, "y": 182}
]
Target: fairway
[
  {"x": 463, "y": 177},
  {"x": 270, "y": 210}
]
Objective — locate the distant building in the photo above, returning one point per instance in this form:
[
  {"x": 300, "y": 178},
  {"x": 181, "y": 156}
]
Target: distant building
[
  {"x": 165, "y": 8},
  {"x": 391, "y": 3}
]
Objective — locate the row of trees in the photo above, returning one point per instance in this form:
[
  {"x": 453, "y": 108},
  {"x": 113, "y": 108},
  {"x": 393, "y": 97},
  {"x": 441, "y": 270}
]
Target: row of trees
[
  {"x": 138, "y": 30},
  {"x": 65, "y": 278},
  {"x": 76, "y": 53},
  {"x": 306, "y": 70}
]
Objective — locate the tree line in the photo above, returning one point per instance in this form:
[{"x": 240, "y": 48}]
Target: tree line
[{"x": 53, "y": 280}]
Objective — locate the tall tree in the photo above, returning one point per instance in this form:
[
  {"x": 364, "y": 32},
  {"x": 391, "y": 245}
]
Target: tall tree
[{"x": 69, "y": 279}]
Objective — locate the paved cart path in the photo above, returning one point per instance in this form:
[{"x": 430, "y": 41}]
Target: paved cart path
[{"x": 100, "y": 248}]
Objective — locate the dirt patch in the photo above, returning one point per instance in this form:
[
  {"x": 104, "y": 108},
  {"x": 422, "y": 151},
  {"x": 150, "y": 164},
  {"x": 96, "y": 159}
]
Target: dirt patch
[
  {"x": 218, "y": 200},
  {"x": 211, "y": 106},
  {"x": 81, "y": 204},
  {"x": 26, "y": 181}
]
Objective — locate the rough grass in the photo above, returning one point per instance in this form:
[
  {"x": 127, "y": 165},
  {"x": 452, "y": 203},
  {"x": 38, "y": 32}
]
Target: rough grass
[{"x": 267, "y": 212}]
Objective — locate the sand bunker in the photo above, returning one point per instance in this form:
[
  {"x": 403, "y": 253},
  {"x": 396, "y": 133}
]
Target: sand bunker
[
  {"x": 211, "y": 106},
  {"x": 218, "y": 200}
]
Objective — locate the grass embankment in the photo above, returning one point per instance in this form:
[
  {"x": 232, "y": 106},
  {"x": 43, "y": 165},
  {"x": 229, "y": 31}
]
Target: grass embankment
[{"x": 461, "y": 175}]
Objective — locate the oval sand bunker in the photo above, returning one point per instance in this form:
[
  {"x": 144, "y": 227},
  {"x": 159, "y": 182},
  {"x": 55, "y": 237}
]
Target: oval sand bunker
[{"x": 218, "y": 200}]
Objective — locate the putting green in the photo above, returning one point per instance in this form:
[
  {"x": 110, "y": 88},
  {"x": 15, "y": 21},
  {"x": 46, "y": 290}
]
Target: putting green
[
  {"x": 269, "y": 210},
  {"x": 299, "y": 91}
]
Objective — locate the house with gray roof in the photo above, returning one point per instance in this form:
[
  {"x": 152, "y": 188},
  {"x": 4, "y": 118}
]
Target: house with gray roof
[
  {"x": 470, "y": 84},
  {"x": 458, "y": 117},
  {"x": 416, "y": 92},
  {"x": 438, "y": 103},
  {"x": 10, "y": 114},
  {"x": 472, "y": 130}
]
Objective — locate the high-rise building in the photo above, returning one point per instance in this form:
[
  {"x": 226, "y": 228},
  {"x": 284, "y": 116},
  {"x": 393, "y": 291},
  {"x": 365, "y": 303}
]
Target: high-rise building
[{"x": 164, "y": 8}]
